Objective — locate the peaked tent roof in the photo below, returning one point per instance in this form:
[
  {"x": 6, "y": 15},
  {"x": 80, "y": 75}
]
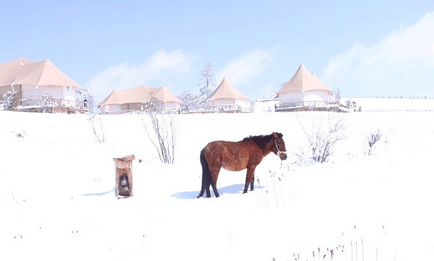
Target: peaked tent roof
[
  {"x": 45, "y": 73},
  {"x": 164, "y": 95},
  {"x": 10, "y": 71},
  {"x": 138, "y": 95},
  {"x": 133, "y": 95},
  {"x": 304, "y": 81},
  {"x": 226, "y": 91}
]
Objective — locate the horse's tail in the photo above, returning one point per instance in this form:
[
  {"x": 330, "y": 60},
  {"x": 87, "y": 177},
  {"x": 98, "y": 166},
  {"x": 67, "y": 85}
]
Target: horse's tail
[{"x": 206, "y": 175}]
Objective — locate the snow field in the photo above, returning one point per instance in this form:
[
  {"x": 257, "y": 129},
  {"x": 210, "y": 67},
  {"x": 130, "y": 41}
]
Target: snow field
[{"x": 58, "y": 201}]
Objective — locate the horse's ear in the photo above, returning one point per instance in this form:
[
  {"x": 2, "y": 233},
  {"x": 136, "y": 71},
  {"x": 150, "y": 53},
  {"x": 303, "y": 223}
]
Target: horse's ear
[{"x": 278, "y": 134}]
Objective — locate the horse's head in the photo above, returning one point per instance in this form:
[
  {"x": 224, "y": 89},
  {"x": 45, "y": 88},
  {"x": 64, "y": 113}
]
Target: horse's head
[{"x": 279, "y": 146}]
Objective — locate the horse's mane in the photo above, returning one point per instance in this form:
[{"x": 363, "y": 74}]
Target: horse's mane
[{"x": 262, "y": 140}]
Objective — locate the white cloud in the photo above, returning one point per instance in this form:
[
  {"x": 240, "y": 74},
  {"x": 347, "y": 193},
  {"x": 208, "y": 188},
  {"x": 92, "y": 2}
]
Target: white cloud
[
  {"x": 398, "y": 57},
  {"x": 246, "y": 66},
  {"x": 125, "y": 76}
]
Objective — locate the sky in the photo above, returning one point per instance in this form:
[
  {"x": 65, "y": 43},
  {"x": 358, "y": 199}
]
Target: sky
[{"x": 361, "y": 48}]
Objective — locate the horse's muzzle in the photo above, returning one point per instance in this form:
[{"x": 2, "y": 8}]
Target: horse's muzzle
[{"x": 282, "y": 155}]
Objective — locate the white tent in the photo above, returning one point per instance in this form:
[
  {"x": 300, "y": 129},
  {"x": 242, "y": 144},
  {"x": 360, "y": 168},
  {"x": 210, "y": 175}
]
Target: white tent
[
  {"x": 304, "y": 89},
  {"x": 132, "y": 99},
  {"x": 227, "y": 98},
  {"x": 32, "y": 80}
]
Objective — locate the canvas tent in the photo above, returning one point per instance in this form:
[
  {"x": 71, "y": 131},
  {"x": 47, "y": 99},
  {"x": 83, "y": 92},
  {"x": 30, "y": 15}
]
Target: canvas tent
[
  {"x": 227, "y": 99},
  {"x": 305, "y": 91},
  {"x": 122, "y": 101},
  {"x": 32, "y": 80}
]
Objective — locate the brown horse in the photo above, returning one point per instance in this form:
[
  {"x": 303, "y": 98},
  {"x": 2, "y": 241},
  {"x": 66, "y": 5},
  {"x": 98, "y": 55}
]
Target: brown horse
[{"x": 236, "y": 156}]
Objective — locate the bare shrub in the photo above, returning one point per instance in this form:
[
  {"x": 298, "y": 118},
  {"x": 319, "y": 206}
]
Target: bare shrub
[
  {"x": 322, "y": 134},
  {"x": 277, "y": 194},
  {"x": 373, "y": 138},
  {"x": 152, "y": 105},
  {"x": 161, "y": 131},
  {"x": 190, "y": 102},
  {"x": 10, "y": 101},
  {"x": 47, "y": 103},
  {"x": 97, "y": 128}
]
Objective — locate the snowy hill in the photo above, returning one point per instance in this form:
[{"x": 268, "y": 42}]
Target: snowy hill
[{"x": 58, "y": 200}]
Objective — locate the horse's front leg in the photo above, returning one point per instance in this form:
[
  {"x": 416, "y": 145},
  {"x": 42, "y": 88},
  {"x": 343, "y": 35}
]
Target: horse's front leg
[{"x": 250, "y": 178}]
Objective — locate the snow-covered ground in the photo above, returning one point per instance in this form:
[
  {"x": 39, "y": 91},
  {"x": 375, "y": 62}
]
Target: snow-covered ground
[
  {"x": 384, "y": 104},
  {"x": 57, "y": 195}
]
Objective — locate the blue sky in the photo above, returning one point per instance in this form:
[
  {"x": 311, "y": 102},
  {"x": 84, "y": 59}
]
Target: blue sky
[{"x": 362, "y": 48}]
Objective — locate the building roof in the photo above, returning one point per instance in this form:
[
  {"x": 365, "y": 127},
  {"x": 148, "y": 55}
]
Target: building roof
[
  {"x": 139, "y": 94},
  {"x": 25, "y": 72},
  {"x": 303, "y": 81},
  {"x": 226, "y": 91}
]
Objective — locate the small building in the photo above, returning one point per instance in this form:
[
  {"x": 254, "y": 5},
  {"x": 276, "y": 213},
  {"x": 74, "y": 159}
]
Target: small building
[
  {"x": 42, "y": 84},
  {"x": 227, "y": 99},
  {"x": 304, "y": 91},
  {"x": 134, "y": 100}
]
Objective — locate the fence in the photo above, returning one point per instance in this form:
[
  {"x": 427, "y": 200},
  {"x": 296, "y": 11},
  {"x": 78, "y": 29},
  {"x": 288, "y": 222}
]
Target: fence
[
  {"x": 312, "y": 106},
  {"x": 163, "y": 111},
  {"x": 227, "y": 108},
  {"x": 55, "y": 104},
  {"x": 416, "y": 97}
]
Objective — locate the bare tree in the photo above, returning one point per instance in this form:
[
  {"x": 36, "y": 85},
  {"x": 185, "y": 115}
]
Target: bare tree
[
  {"x": 322, "y": 135},
  {"x": 337, "y": 95},
  {"x": 161, "y": 131},
  {"x": 207, "y": 83},
  {"x": 190, "y": 101}
]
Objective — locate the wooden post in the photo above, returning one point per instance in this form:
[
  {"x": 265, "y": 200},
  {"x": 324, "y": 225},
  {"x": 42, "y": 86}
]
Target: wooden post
[{"x": 124, "y": 176}]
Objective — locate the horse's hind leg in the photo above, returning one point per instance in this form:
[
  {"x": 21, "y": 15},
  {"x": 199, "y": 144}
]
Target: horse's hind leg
[
  {"x": 214, "y": 188},
  {"x": 213, "y": 180}
]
